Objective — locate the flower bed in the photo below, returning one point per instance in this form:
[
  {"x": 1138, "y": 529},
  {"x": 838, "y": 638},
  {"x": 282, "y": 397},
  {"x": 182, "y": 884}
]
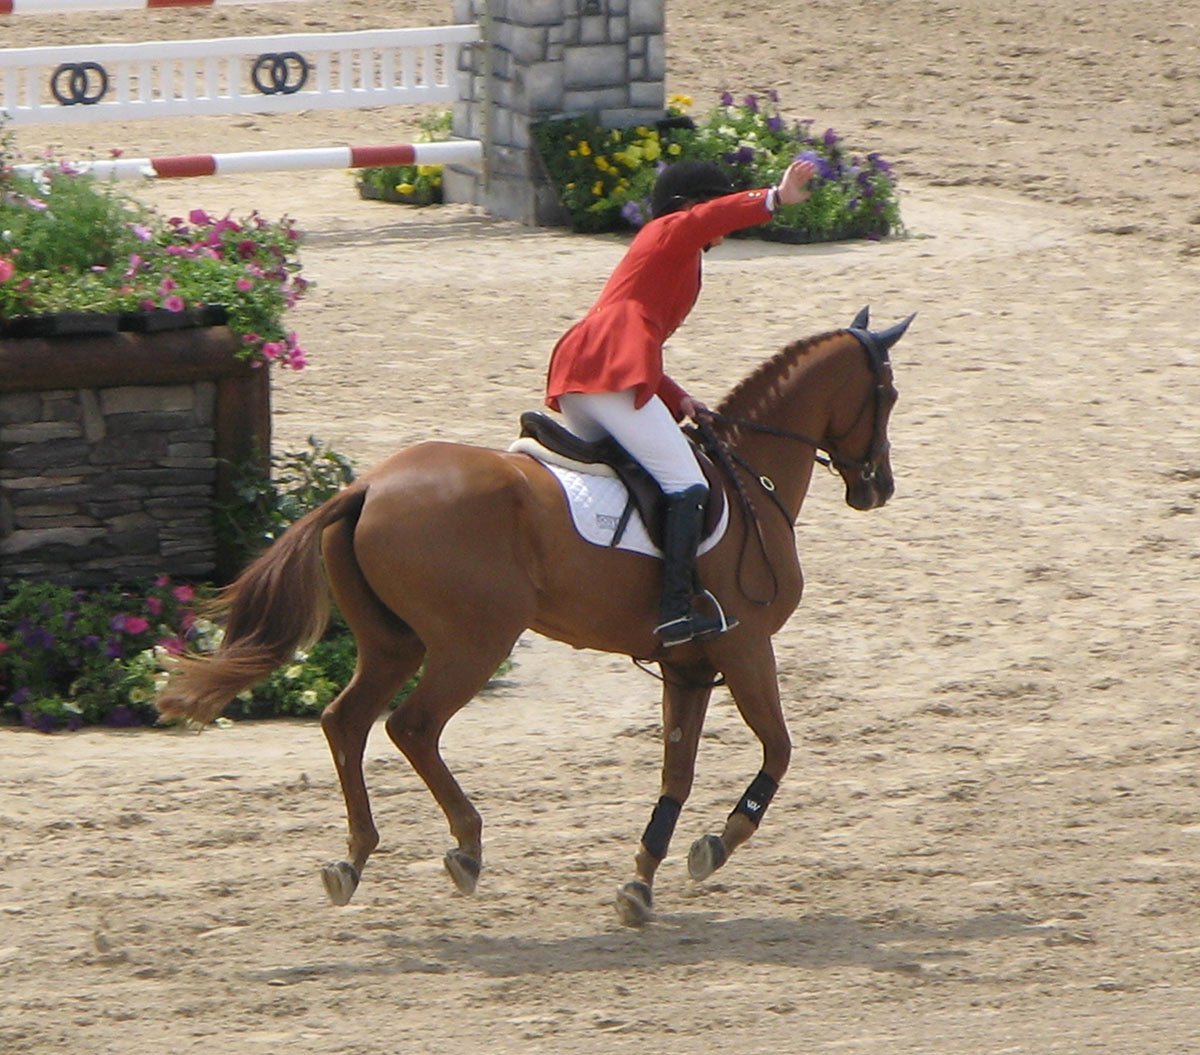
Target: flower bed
[
  {"x": 78, "y": 256},
  {"x": 604, "y": 175}
]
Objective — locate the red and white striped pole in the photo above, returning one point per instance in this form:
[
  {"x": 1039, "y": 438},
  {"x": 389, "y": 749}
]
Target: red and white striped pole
[
  {"x": 47, "y": 7},
  {"x": 467, "y": 152}
]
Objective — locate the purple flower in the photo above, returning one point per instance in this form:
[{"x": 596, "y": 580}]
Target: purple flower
[
  {"x": 122, "y": 717},
  {"x": 631, "y": 213},
  {"x": 727, "y": 98},
  {"x": 113, "y": 649},
  {"x": 831, "y": 137},
  {"x": 742, "y": 156},
  {"x": 878, "y": 163},
  {"x": 773, "y": 95},
  {"x": 751, "y": 103},
  {"x": 141, "y": 232},
  {"x": 21, "y": 696},
  {"x": 775, "y": 123}
]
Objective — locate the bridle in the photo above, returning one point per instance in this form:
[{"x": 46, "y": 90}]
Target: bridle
[{"x": 881, "y": 398}]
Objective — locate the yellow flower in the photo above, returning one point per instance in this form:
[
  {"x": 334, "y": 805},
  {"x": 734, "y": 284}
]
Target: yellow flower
[
  {"x": 429, "y": 170},
  {"x": 602, "y": 163},
  {"x": 652, "y": 149},
  {"x": 570, "y": 186},
  {"x": 572, "y": 153},
  {"x": 598, "y": 188},
  {"x": 674, "y": 149},
  {"x": 585, "y": 149},
  {"x": 404, "y": 188},
  {"x": 680, "y": 102}
]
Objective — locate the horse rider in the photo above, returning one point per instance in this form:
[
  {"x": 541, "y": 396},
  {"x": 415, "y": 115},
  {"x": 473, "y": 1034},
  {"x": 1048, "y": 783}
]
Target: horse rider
[{"x": 606, "y": 373}]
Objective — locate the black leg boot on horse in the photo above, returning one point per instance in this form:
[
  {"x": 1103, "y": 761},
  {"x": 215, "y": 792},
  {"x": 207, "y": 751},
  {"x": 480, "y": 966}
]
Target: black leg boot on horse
[{"x": 680, "y": 619}]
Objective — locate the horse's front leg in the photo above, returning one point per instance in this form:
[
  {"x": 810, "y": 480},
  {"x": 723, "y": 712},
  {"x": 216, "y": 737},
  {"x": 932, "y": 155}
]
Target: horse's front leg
[
  {"x": 752, "y": 679},
  {"x": 686, "y": 691}
]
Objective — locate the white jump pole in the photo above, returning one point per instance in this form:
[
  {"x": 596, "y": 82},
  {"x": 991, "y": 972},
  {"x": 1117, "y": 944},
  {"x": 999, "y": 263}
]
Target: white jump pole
[{"x": 466, "y": 152}]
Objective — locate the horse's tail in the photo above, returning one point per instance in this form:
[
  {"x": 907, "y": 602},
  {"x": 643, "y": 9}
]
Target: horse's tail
[{"x": 279, "y": 604}]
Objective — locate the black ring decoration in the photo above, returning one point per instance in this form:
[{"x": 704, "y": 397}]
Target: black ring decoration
[
  {"x": 71, "y": 83},
  {"x": 280, "y": 73}
]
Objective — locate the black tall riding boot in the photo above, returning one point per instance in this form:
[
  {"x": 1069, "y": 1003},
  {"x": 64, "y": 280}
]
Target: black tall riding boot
[{"x": 682, "y": 525}]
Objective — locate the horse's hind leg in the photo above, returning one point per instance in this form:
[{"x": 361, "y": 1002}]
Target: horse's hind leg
[
  {"x": 453, "y": 675},
  {"x": 389, "y": 653},
  {"x": 346, "y": 723}
]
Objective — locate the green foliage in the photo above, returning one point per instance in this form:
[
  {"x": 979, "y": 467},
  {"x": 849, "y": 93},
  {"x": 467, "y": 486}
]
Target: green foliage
[
  {"x": 604, "y": 176},
  {"x": 264, "y": 506},
  {"x": 71, "y": 243}
]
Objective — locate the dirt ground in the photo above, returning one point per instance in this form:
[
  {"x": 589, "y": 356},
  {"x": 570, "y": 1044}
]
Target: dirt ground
[{"x": 989, "y": 840}]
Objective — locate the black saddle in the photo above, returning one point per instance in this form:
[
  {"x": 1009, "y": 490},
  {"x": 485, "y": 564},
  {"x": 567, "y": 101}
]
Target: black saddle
[{"x": 644, "y": 493}]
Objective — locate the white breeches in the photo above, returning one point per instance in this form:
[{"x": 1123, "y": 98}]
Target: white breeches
[{"x": 649, "y": 433}]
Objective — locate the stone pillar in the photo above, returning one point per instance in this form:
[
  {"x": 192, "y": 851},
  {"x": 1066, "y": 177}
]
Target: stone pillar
[{"x": 544, "y": 58}]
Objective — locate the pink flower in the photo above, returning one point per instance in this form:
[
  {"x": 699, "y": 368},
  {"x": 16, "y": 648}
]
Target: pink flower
[
  {"x": 135, "y": 624},
  {"x": 7, "y": 269},
  {"x": 154, "y": 605},
  {"x": 135, "y": 262},
  {"x": 141, "y": 232},
  {"x": 163, "y": 580},
  {"x": 271, "y": 349},
  {"x": 199, "y": 216},
  {"x": 183, "y": 594},
  {"x": 244, "y": 284},
  {"x": 115, "y": 152},
  {"x": 167, "y": 285},
  {"x": 173, "y": 645},
  {"x": 174, "y": 303},
  {"x": 3, "y": 647}
]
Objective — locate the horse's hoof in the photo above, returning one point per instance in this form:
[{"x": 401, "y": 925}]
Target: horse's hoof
[
  {"x": 463, "y": 869},
  {"x": 341, "y": 880},
  {"x": 707, "y": 854},
  {"x": 635, "y": 904}
]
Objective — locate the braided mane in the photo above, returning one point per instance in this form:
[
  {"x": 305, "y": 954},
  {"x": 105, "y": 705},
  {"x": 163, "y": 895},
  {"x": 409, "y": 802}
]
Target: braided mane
[{"x": 761, "y": 388}]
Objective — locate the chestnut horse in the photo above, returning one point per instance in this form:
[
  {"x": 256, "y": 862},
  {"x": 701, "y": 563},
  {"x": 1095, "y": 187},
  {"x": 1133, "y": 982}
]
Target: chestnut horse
[{"x": 444, "y": 554}]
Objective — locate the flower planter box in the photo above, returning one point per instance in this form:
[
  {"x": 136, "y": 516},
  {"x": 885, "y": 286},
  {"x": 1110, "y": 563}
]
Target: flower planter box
[
  {"x": 115, "y": 447},
  {"x": 158, "y": 320},
  {"x": 62, "y": 324}
]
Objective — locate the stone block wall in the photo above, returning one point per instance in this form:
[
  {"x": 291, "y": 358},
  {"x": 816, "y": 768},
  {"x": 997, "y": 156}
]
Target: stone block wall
[
  {"x": 107, "y": 485},
  {"x": 544, "y": 58},
  {"x": 106, "y": 479}
]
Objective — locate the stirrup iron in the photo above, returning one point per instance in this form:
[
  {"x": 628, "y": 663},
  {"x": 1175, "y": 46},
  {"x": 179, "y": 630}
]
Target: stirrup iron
[{"x": 681, "y": 630}]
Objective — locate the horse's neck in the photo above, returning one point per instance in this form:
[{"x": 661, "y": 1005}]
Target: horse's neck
[{"x": 795, "y": 403}]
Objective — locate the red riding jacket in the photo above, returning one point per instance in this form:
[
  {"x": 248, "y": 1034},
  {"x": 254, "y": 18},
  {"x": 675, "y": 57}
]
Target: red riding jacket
[{"x": 618, "y": 344}]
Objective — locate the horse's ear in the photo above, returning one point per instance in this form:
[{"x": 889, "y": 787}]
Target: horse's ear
[
  {"x": 886, "y": 338},
  {"x": 863, "y": 319}
]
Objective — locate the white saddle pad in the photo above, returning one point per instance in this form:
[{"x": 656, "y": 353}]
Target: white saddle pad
[{"x": 597, "y": 500}]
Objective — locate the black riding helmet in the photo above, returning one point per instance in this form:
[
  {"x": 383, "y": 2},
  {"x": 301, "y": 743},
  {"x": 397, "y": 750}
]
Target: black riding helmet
[{"x": 685, "y": 183}]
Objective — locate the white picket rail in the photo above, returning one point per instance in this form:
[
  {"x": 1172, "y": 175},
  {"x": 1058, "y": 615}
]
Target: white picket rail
[
  {"x": 47, "y": 7},
  {"x": 70, "y": 6},
  {"x": 354, "y": 70}
]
